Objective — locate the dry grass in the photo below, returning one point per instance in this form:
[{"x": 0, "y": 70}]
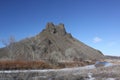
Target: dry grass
[
  {"x": 74, "y": 64},
  {"x": 20, "y": 64},
  {"x": 14, "y": 65},
  {"x": 101, "y": 73}
]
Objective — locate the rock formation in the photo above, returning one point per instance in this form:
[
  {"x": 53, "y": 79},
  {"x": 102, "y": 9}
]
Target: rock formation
[{"x": 52, "y": 43}]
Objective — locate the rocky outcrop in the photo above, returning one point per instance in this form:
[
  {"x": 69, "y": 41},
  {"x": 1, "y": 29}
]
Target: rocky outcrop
[{"x": 54, "y": 43}]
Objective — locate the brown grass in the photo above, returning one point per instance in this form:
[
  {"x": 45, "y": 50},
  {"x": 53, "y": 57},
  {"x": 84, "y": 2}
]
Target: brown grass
[
  {"x": 14, "y": 65},
  {"x": 74, "y": 64},
  {"x": 20, "y": 64}
]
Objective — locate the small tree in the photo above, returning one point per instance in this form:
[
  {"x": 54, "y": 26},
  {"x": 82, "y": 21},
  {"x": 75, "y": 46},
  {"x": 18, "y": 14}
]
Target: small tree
[
  {"x": 12, "y": 51},
  {"x": 10, "y": 46}
]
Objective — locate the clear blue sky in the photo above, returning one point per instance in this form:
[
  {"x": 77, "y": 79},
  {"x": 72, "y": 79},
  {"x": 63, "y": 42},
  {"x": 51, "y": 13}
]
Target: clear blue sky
[{"x": 94, "y": 22}]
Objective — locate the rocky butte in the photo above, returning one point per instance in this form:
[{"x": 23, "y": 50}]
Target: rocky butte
[{"x": 53, "y": 43}]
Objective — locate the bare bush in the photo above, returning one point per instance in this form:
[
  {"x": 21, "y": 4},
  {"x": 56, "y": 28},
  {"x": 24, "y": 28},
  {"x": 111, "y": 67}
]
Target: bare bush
[{"x": 9, "y": 44}]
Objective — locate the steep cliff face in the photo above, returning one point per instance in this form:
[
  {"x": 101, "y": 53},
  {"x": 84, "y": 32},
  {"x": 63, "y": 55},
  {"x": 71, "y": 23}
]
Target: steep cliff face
[{"x": 53, "y": 43}]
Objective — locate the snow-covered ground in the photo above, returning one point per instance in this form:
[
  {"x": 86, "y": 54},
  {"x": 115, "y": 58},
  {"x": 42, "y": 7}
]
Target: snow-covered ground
[
  {"x": 76, "y": 71},
  {"x": 49, "y": 70},
  {"x": 56, "y": 70}
]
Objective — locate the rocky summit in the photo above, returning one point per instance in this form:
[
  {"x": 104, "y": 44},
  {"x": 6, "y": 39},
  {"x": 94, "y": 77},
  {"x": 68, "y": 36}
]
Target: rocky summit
[{"x": 53, "y": 43}]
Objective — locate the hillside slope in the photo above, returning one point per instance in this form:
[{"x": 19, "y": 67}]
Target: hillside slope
[{"x": 53, "y": 43}]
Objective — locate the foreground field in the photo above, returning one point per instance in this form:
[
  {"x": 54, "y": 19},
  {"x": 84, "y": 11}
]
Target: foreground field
[
  {"x": 26, "y": 65},
  {"x": 78, "y": 73},
  {"x": 21, "y": 70}
]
